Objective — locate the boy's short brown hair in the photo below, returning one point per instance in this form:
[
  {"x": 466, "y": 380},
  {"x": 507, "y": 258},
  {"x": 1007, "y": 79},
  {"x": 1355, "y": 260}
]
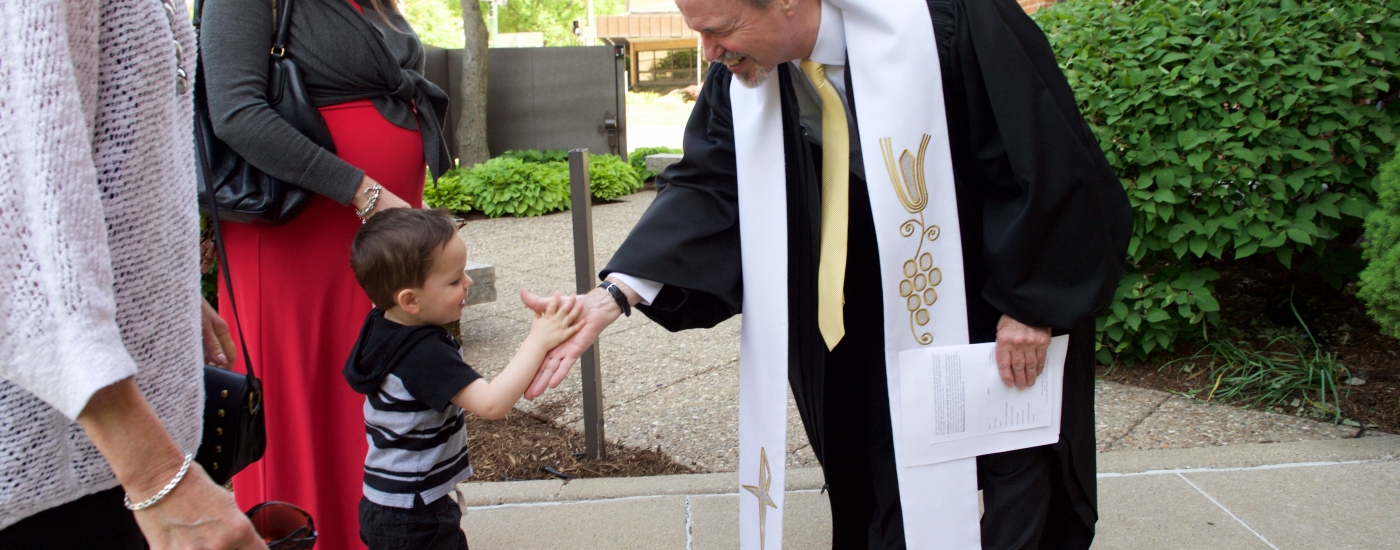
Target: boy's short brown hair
[{"x": 395, "y": 250}]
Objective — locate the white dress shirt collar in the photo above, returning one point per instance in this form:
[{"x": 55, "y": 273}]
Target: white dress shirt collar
[{"x": 830, "y": 48}]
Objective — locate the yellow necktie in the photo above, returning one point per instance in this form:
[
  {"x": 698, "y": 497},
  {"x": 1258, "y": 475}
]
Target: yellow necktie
[{"x": 836, "y": 172}]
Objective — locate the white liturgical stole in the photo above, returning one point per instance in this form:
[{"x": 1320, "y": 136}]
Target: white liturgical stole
[{"x": 909, "y": 173}]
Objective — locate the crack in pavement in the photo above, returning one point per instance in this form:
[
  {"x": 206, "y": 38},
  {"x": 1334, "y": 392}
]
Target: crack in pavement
[{"x": 1139, "y": 422}]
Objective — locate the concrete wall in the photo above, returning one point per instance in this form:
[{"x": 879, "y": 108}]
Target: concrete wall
[{"x": 544, "y": 98}]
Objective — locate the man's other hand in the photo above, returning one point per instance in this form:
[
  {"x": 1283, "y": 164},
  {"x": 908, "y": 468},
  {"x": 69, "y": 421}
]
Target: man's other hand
[
  {"x": 1020, "y": 352},
  {"x": 599, "y": 311}
]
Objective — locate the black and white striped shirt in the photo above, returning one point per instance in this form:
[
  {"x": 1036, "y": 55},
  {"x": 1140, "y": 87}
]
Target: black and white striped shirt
[{"x": 417, "y": 437}]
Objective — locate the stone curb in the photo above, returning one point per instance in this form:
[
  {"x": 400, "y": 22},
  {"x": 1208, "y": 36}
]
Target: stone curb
[
  {"x": 1378, "y": 447},
  {"x": 1375, "y": 447}
]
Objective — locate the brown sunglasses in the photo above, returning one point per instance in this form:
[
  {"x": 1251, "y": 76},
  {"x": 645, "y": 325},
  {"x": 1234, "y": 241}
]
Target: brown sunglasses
[{"x": 283, "y": 526}]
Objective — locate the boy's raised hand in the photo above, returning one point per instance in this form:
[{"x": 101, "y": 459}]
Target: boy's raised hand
[{"x": 558, "y": 321}]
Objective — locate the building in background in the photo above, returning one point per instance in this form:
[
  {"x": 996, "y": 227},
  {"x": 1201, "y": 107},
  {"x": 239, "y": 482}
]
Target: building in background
[{"x": 663, "y": 53}]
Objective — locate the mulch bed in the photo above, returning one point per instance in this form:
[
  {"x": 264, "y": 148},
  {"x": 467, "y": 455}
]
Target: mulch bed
[
  {"x": 528, "y": 446},
  {"x": 1254, "y": 296}
]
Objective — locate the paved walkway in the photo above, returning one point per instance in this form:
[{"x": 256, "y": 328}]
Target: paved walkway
[
  {"x": 1315, "y": 494},
  {"x": 1176, "y": 472}
]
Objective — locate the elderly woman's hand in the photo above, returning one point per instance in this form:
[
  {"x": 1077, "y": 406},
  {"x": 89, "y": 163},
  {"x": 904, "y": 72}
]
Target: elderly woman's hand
[
  {"x": 197, "y": 514},
  {"x": 218, "y": 345}
]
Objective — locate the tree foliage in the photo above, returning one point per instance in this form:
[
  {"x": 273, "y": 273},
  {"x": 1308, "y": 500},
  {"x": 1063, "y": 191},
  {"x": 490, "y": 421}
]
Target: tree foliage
[
  {"x": 1379, "y": 286},
  {"x": 437, "y": 22},
  {"x": 554, "y": 18},
  {"x": 1238, "y": 127}
]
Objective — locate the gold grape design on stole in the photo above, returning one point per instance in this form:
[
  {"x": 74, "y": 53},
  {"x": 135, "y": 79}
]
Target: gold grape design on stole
[{"x": 920, "y": 275}]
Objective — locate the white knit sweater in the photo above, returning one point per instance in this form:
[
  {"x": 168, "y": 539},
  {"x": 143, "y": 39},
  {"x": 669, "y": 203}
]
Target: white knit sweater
[{"x": 98, "y": 236}]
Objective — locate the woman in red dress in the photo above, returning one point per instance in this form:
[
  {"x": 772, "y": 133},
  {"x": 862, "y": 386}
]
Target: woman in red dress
[{"x": 299, "y": 304}]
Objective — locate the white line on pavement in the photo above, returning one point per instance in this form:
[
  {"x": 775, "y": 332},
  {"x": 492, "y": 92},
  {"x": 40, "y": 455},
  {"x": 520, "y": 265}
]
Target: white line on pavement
[
  {"x": 1102, "y": 475},
  {"x": 1227, "y": 511}
]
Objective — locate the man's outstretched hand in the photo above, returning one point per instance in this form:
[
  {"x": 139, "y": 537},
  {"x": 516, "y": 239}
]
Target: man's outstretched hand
[
  {"x": 1020, "y": 352},
  {"x": 599, "y": 311}
]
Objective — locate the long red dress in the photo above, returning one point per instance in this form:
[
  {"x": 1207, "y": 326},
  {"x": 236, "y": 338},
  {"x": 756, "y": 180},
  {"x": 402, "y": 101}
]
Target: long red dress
[{"x": 302, "y": 310}]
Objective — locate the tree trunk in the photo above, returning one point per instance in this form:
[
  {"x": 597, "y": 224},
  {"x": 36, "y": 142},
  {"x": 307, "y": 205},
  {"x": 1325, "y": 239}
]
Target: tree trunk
[{"x": 471, "y": 126}]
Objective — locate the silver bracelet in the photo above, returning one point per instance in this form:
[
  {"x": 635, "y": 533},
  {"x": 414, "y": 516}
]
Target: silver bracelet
[
  {"x": 126, "y": 499},
  {"x": 373, "y": 193}
]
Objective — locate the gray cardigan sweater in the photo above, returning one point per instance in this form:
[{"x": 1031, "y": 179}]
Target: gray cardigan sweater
[{"x": 343, "y": 56}]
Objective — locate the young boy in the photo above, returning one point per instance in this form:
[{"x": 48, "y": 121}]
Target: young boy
[{"x": 411, "y": 263}]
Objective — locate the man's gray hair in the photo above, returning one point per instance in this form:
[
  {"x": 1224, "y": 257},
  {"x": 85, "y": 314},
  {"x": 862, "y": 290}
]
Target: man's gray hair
[{"x": 759, "y": 4}]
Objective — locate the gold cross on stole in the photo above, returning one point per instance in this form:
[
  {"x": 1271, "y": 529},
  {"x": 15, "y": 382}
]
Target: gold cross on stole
[{"x": 765, "y": 480}]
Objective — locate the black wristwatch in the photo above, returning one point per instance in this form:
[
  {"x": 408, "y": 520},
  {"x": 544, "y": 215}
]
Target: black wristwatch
[{"x": 617, "y": 295}]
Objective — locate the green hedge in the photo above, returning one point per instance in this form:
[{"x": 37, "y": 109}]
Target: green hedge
[
  {"x": 506, "y": 186},
  {"x": 1238, "y": 128},
  {"x": 450, "y": 193},
  {"x": 611, "y": 177},
  {"x": 527, "y": 183},
  {"x": 638, "y": 159},
  {"x": 1379, "y": 286}
]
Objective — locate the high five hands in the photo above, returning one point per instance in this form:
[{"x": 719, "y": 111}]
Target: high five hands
[
  {"x": 599, "y": 311},
  {"x": 1020, "y": 352}
]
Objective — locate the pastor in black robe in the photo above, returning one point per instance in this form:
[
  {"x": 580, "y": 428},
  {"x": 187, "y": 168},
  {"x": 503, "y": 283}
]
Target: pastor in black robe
[{"x": 1044, "y": 224}]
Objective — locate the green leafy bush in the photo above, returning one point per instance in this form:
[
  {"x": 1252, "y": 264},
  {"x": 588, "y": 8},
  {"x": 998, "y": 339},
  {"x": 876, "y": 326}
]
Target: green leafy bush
[
  {"x": 450, "y": 193},
  {"x": 638, "y": 159},
  {"x": 526, "y": 183},
  {"x": 611, "y": 177},
  {"x": 506, "y": 186},
  {"x": 538, "y": 155},
  {"x": 1379, "y": 286},
  {"x": 1238, "y": 127}
]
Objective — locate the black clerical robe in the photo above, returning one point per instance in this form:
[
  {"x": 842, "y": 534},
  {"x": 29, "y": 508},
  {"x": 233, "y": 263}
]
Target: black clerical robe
[{"x": 1044, "y": 221}]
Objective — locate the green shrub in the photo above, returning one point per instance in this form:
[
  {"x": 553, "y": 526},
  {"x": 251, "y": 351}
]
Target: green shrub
[
  {"x": 506, "y": 186},
  {"x": 526, "y": 183},
  {"x": 450, "y": 193},
  {"x": 1379, "y": 286},
  {"x": 610, "y": 177},
  {"x": 1238, "y": 128},
  {"x": 638, "y": 160},
  {"x": 538, "y": 155}
]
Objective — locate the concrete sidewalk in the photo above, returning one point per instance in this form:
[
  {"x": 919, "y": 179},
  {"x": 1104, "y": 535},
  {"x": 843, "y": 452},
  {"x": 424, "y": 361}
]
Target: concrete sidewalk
[{"x": 1310, "y": 494}]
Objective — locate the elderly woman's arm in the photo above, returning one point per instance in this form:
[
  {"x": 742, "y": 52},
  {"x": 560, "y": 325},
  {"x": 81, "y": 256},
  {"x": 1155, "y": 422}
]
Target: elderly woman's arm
[
  {"x": 59, "y": 334},
  {"x": 196, "y": 513}
]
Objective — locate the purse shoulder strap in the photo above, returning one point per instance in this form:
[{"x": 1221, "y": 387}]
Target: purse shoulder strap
[{"x": 203, "y": 159}]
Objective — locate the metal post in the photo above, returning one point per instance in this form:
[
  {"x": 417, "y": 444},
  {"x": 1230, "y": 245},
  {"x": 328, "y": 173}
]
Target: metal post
[{"x": 585, "y": 274}]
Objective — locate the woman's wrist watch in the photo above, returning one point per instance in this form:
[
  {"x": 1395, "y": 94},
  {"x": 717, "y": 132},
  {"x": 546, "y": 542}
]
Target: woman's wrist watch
[{"x": 618, "y": 296}]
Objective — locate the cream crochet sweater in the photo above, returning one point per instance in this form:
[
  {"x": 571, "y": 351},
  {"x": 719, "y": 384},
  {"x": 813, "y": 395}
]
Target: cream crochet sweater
[{"x": 98, "y": 236}]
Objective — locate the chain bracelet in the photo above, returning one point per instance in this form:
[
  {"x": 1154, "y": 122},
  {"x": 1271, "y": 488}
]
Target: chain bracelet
[
  {"x": 126, "y": 499},
  {"x": 373, "y": 193}
]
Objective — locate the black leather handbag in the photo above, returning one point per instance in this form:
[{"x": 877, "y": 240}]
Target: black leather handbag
[{"x": 241, "y": 191}]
